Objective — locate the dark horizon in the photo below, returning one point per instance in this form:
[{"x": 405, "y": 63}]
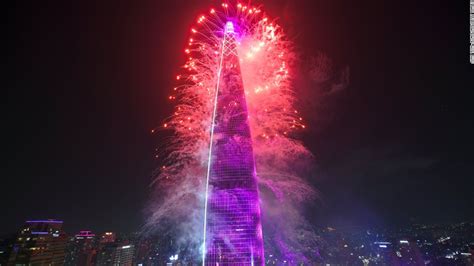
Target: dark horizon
[{"x": 88, "y": 80}]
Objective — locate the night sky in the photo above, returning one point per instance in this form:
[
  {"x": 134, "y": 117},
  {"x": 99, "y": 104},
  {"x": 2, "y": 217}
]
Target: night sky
[{"x": 86, "y": 81}]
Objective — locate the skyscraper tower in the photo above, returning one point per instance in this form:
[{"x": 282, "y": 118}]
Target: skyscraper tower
[
  {"x": 39, "y": 242},
  {"x": 232, "y": 226}
]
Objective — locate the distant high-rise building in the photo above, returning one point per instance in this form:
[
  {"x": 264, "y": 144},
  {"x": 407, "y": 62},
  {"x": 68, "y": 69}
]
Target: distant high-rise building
[
  {"x": 39, "y": 242},
  {"x": 124, "y": 255},
  {"x": 106, "y": 254},
  {"x": 107, "y": 247},
  {"x": 107, "y": 237},
  {"x": 82, "y": 249},
  {"x": 112, "y": 253}
]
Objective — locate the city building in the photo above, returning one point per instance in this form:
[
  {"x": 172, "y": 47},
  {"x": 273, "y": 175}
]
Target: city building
[
  {"x": 233, "y": 231},
  {"x": 106, "y": 254},
  {"x": 112, "y": 253},
  {"x": 39, "y": 242},
  {"x": 123, "y": 255},
  {"x": 82, "y": 249},
  {"x": 107, "y": 237},
  {"x": 106, "y": 248}
]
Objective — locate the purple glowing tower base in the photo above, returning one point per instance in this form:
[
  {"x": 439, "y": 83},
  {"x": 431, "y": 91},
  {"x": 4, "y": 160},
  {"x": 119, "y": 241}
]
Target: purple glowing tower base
[{"x": 233, "y": 231}]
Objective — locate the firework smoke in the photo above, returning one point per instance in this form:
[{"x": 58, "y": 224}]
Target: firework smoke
[{"x": 266, "y": 60}]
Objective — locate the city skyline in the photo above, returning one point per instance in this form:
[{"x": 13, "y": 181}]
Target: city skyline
[
  {"x": 390, "y": 146},
  {"x": 44, "y": 241}
]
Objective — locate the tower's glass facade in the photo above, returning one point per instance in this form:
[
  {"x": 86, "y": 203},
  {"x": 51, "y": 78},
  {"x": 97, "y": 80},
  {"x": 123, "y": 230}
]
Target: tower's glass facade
[{"x": 233, "y": 226}]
